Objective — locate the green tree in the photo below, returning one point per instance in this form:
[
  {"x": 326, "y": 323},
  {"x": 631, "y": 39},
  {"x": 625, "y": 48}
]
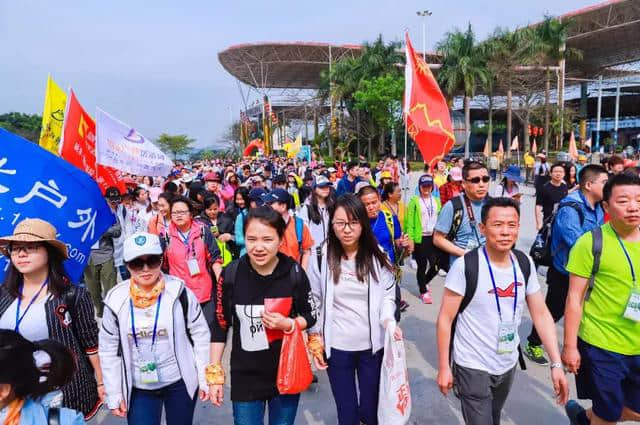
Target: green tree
[
  {"x": 176, "y": 144},
  {"x": 463, "y": 70},
  {"x": 381, "y": 97},
  {"x": 24, "y": 125}
]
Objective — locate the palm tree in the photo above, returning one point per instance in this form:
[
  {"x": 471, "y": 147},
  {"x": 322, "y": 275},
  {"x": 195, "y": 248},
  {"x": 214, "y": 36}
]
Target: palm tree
[
  {"x": 463, "y": 71},
  {"x": 552, "y": 39}
]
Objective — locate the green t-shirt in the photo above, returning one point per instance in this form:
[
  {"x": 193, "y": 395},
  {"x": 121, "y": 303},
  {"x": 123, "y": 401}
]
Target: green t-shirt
[{"x": 603, "y": 324}]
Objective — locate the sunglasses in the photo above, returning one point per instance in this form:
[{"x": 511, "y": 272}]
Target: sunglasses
[
  {"x": 476, "y": 180},
  {"x": 152, "y": 262}
]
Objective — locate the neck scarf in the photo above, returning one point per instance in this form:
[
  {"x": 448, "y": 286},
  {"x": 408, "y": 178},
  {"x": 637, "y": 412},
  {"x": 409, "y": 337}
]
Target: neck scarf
[
  {"x": 142, "y": 298},
  {"x": 13, "y": 412}
]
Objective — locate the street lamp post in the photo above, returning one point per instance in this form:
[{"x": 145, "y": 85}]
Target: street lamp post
[{"x": 424, "y": 14}]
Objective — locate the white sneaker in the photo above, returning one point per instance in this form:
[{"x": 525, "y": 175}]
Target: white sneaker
[{"x": 442, "y": 273}]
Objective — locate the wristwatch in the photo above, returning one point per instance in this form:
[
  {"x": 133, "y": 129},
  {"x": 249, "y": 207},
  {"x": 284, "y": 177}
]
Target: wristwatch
[{"x": 555, "y": 366}]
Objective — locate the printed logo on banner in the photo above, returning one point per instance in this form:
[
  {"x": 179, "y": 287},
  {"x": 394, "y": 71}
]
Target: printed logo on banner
[{"x": 37, "y": 184}]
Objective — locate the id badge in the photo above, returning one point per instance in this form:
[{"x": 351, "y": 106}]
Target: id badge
[
  {"x": 214, "y": 229},
  {"x": 506, "y": 338},
  {"x": 147, "y": 367},
  {"x": 194, "y": 268},
  {"x": 632, "y": 311}
]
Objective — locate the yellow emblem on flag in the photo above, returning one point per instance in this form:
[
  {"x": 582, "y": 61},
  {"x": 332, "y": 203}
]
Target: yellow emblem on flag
[
  {"x": 292, "y": 149},
  {"x": 55, "y": 101}
]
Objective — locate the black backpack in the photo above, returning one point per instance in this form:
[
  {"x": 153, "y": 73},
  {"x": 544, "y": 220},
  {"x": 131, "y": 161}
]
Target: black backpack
[
  {"x": 471, "y": 267},
  {"x": 540, "y": 251}
]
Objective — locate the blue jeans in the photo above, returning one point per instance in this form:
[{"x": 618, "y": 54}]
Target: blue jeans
[
  {"x": 146, "y": 405},
  {"x": 343, "y": 367},
  {"x": 282, "y": 410}
]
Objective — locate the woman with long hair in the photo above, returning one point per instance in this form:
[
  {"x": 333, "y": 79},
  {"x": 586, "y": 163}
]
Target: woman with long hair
[
  {"x": 354, "y": 290},
  {"x": 242, "y": 204},
  {"x": 23, "y": 384},
  {"x": 391, "y": 198},
  {"x": 316, "y": 212},
  {"x": 138, "y": 214},
  {"x": 160, "y": 221},
  {"x": 38, "y": 301},
  {"x": 154, "y": 341},
  {"x": 571, "y": 176},
  {"x": 262, "y": 295}
]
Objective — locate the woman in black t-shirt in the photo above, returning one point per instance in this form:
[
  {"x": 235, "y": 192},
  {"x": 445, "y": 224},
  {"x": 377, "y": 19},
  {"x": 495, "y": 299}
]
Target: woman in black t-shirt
[{"x": 260, "y": 295}]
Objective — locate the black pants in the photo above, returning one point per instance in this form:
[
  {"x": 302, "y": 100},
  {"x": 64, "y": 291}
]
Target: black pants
[
  {"x": 556, "y": 299},
  {"x": 425, "y": 254}
]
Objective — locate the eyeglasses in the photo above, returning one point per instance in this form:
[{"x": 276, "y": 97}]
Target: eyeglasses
[
  {"x": 341, "y": 225},
  {"x": 179, "y": 213},
  {"x": 152, "y": 261},
  {"x": 476, "y": 180},
  {"x": 28, "y": 248}
]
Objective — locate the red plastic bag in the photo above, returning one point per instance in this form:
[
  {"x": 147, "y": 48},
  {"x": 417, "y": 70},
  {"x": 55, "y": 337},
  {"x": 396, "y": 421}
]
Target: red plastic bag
[{"x": 294, "y": 369}]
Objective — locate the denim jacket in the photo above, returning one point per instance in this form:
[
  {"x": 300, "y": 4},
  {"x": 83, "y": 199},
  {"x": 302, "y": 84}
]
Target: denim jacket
[
  {"x": 35, "y": 413},
  {"x": 567, "y": 228}
]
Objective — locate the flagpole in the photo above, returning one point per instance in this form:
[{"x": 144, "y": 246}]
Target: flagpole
[{"x": 405, "y": 187}]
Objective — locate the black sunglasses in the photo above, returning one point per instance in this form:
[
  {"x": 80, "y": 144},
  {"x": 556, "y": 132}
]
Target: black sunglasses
[
  {"x": 476, "y": 180},
  {"x": 152, "y": 261}
]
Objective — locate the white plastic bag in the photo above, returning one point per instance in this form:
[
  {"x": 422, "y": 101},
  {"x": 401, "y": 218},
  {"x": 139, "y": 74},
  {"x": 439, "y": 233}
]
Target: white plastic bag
[{"x": 394, "y": 398}]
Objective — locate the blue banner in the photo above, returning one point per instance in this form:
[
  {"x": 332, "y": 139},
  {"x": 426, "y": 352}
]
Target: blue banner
[
  {"x": 35, "y": 183},
  {"x": 305, "y": 152}
]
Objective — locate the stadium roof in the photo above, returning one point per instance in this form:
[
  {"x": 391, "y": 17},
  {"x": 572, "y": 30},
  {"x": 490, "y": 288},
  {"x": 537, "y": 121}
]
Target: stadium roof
[
  {"x": 608, "y": 34},
  {"x": 295, "y": 65}
]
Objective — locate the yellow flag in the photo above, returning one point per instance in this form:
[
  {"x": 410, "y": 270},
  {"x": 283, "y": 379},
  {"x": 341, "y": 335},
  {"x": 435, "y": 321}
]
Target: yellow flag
[{"x": 55, "y": 101}]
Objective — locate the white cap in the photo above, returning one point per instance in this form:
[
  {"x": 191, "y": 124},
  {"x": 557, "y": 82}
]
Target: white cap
[{"x": 139, "y": 244}]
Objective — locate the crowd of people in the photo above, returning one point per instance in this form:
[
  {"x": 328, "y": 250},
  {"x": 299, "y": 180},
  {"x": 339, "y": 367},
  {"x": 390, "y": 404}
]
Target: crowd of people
[{"x": 267, "y": 247}]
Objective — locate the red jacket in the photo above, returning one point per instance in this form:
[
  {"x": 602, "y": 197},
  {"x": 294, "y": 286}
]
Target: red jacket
[
  {"x": 449, "y": 190},
  {"x": 203, "y": 247}
]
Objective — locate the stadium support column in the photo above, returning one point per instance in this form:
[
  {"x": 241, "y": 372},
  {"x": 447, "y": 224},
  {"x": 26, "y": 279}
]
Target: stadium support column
[
  {"x": 617, "y": 116},
  {"x": 584, "y": 98},
  {"x": 597, "y": 146}
]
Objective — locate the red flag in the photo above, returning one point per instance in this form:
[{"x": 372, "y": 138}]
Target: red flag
[
  {"x": 78, "y": 146},
  {"x": 425, "y": 109}
]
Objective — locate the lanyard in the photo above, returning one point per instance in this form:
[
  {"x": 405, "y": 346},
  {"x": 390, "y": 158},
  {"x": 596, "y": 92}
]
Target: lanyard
[
  {"x": 495, "y": 289},
  {"x": 472, "y": 218},
  {"x": 626, "y": 254},
  {"x": 35, "y": 297},
  {"x": 155, "y": 323},
  {"x": 429, "y": 207}
]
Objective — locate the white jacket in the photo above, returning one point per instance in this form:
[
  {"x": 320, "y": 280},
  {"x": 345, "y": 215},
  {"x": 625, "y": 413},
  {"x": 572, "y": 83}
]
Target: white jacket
[
  {"x": 115, "y": 350},
  {"x": 382, "y": 304}
]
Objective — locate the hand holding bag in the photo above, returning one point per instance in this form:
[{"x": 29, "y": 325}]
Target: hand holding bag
[{"x": 294, "y": 369}]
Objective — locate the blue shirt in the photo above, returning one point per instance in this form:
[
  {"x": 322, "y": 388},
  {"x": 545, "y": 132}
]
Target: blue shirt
[
  {"x": 466, "y": 233},
  {"x": 381, "y": 231},
  {"x": 346, "y": 186},
  {"x": 567, "y": 229}
]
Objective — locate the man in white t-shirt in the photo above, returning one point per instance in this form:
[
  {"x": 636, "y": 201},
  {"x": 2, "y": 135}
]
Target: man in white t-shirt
[{"x": 486, "y": 341}]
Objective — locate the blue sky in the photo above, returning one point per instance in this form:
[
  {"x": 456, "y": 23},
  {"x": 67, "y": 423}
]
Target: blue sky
[{"x": 154, "y": 64}]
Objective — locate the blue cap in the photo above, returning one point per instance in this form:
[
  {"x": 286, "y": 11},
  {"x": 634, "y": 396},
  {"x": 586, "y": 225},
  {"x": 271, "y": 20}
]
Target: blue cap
[
  {"x": 425, "y": 179},
  {"x": 276, "y": 195},
  {"x": 513, "y": 173},
  {"x": 256, "y": 195}
]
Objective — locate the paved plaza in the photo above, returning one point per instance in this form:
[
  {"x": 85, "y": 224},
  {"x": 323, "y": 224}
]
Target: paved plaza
[{"x": 531, "y": 401}]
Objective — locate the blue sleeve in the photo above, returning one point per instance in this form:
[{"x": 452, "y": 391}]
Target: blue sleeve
[
  {"x": 340, "y": 188},
  {"x": 567, "y": 226},
  {"x": 445, "y": 218},
  {"x": 239, "y": 231},
  {"x": 397, "y": 229}
]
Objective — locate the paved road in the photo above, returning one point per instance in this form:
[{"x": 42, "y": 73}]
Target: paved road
[{"x": 530, "y": 402}]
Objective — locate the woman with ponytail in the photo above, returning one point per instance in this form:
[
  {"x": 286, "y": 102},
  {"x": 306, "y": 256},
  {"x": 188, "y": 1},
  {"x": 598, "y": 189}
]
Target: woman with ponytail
[{"x": 23, "y": 385}]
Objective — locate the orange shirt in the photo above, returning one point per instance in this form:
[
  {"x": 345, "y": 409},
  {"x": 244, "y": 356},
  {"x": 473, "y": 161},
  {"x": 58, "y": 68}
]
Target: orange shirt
[{"x": 289, "y": 244}]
